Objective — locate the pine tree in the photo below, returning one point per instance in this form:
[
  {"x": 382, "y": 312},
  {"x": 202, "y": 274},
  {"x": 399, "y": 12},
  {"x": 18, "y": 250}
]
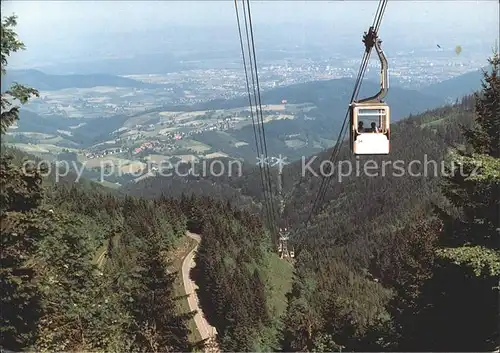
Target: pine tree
[
  {"x": 158, "y": 327},
  {"x": 405, "y": 265},
  {"x": 474, "y": 186},
  {"x": 470, "y": 242},
  {"x": 261, "y": 312},
  {"x": 68, "y": 285},
  {"x": 20, "y": 198},
  {"x": 20, "y": 222},
  {"x": 11, "y": 44}
]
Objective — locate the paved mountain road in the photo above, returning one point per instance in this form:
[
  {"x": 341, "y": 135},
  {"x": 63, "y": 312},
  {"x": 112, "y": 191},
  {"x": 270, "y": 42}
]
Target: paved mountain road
[{"x": 205, "y": 329}]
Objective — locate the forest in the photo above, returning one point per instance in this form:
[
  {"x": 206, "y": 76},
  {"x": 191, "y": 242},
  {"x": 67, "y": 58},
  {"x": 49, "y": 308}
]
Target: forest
[{"x": 392, "y": 263}]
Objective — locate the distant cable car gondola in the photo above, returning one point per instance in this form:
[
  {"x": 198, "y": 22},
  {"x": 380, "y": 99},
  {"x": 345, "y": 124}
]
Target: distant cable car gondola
[{"x": 370, "y": 117}]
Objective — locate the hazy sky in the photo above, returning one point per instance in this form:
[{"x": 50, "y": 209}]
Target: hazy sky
[
  {"x": 45, "y": 25},
  {"x": 84, "y": 16}
]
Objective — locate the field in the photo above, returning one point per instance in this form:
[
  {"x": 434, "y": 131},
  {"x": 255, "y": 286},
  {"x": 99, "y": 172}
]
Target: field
[
  {"x": 194, "y": 146},
  {"x": 41, "y": 148},
  {"x": 60, "y": 140},
  {"x": 118, "y": 165},
  {"x": 28, "y": 147},
  {"x": 269, "y": 118},
  {"x": 133, "y": 168},
  {"x": 33, "y": 135},
  {"x": 240, "y": 144},
  {"x": 52, "y": 142},
  {"x": 140, "y": 120},
  {"x": 274, "y": 107},
  {"x": 186, "y": 158},
  {"x": 157, "y": 158},
  {"x": 182, "y": 116},
  {"x": 295, "y": 143},
  {"x": 216, "y": 155}
]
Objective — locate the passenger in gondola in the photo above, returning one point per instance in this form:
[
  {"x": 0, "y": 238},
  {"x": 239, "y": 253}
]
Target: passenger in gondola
[
  {"x": 360, "y": 127},
  {"x": 374, "y": 127}
]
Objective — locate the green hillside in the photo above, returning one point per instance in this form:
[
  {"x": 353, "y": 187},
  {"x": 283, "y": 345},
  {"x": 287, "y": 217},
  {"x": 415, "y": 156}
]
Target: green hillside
[{"x": 456, "y": 87}]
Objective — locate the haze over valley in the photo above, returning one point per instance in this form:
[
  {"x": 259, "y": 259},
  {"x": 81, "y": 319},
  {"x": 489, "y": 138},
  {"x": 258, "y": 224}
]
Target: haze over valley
[
  {"x": 139, "y": 82},
  {"x": 217, "y": 176}
]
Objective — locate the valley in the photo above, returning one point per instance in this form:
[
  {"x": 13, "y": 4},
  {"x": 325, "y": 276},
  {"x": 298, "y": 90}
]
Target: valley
[
  {"x": 118, "y": 137},
  {"x": 138, "y": 213}
]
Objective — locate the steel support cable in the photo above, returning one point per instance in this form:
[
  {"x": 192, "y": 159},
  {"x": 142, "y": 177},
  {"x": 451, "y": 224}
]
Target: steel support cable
[
  {"x": 377, "y": 14},
  {"x": 333, "y": 157},
  {"x": 266, "y": 192},
  {"x": 338, "y": 143},
  {"x": 340, "y": 137},
  {"x": 376, "y": 24},
  {"x": 260, "y": 109},
  {"x": 326, "y": 180},
  {"x": 258, "y": 105},
  {"x": 246, "y": 75},
  {"x": 252, "y": 75},
  {"x": 336, "y": 151},
  {"x": 267, "y": 185},
  {"x": 379, "y": 22},
  {"x": 266, "y": 203}
]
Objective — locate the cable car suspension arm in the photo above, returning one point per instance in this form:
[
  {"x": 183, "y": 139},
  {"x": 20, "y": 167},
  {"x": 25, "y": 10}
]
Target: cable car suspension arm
[{"x": 384, "y": 78}]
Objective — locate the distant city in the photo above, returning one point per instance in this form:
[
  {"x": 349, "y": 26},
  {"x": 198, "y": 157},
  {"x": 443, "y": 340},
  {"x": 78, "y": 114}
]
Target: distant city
[{"x": 407, "y": 70}]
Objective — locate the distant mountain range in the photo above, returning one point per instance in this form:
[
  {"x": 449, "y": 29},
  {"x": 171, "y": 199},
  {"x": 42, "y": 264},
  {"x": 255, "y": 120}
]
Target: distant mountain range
[
  {"x": 331, "y": 99},
  {"x": 313, "y": 130},
  {"x": 456, "y": 87},
  {"x": 449, "y": 89},
  {"x": 328, "y": 96},
  {"x": 156, "y": 63},
  {"x": 47, "y": 82}
]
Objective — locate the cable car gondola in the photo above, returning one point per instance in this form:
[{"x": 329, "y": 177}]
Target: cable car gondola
[{"x": 370, "y": 117}]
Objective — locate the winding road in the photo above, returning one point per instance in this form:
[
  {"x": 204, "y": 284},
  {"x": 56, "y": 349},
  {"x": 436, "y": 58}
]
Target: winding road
[{"x": 206, "y": 330}]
